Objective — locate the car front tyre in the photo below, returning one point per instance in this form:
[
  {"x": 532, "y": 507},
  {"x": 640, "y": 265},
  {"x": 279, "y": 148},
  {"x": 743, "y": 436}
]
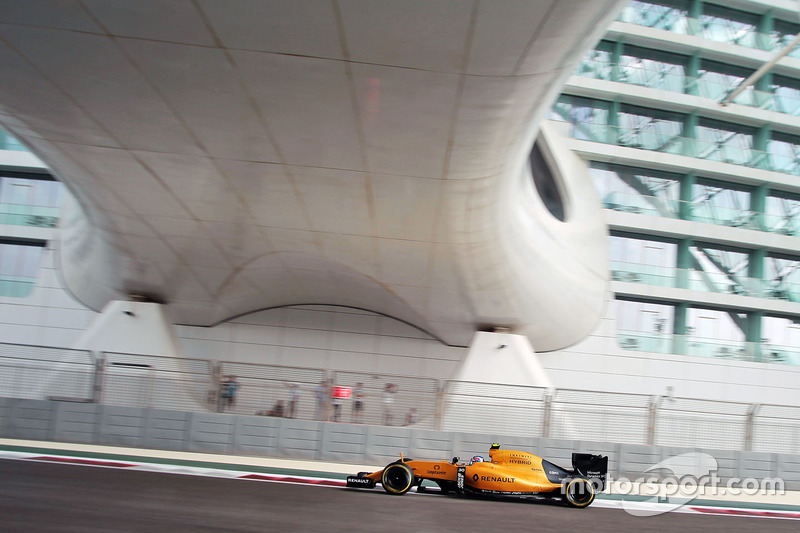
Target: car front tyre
[{"x": 397, "y": 478}]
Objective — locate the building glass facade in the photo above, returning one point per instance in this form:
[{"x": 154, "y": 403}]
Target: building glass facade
[{"x": 758, "y": 277}]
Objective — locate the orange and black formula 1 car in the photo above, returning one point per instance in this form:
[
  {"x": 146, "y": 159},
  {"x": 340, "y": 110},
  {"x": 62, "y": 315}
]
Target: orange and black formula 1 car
[{"x": 506, "y": 473}]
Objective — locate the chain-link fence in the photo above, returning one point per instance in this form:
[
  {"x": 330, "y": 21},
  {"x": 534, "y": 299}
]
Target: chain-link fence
[
  {"x": 185, "y": 384},
  {"x": 36, "y": 372},
  {"x": 600, "y": 416},
  {"x": 775, "y": 428},
  {"x": 704, "y": 423},
  {"x": 388, "y": 400},
  {"x": 494, "y": 408},
  {"x": 261, "y": 389},
  {"x": 177, "y": 383}
]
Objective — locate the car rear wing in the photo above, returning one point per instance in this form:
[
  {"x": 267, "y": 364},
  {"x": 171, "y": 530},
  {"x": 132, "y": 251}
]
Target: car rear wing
[{"x": 592, "y": 467}]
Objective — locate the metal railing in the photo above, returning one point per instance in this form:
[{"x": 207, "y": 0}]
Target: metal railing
[
  {"x": 185, "y": 384},
  {"x": 670, "y": 78},
  {"x": 707, "y": 281},
  {"x": 707, "y": 26},
  {"x": 641, "y": 204},
  {"x": 29, "y": 215},
  {"x": 722, "y": 349}
]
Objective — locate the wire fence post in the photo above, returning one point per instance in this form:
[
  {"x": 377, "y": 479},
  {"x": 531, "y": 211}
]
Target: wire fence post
[
  {"x": 548, "y": 411},
  {"x": 752, "y": 412},
  {"x": 438, "y": 411},
  {"x": 98, "y": 378},
  {"x": 652, "y": 416},
  {"x": 215, "y": 391}
]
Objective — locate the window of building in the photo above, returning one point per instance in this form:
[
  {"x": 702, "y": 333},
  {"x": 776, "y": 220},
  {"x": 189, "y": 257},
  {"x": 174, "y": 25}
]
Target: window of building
[
  {"x": 725, "y": 142},
  {"x": 597, "y": 63},
  {"x": 782, "y": 276},
  {"x": 645, "y": 326},
  {"x": 786, "y": 95},
  {"x": 28, "y": 201},
  {"x": 716, "y": 80},
  {"x": 650, "y": 129},
  {"x": 725, "y": 204},
  {"x": 8, "y": 142},
  {"x": 780, "y": 337},
  {"x": 19, "y": 264},
  {"x": 640, "y": 259},
  {"x": 726, "y": 25},
  {"x": 783, "y": 33},
  {"x": 782, "y": 214},
  {"x": 588, "y": 117},
  {"x": 637, "y": 190},
  {"x": 653, "y": 68},
  {"x": 670, "y": 16},
  {"x": 716, "y": 333},
  {"x": 718, "y": 269},
  {"x": 784, "y": 153}
]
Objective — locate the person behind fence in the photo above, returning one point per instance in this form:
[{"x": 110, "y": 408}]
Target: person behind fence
[
  {"x": 322, "y": 393},
  {"x": 277, "y": 410},
  {"x": 336, "y": 401},
  {"x": 227, "y": 392},
  {"x": 294, "y": 396},
  {"x": 388, "y": 403},
  {"x": 412, "y": 417},
  {"x": 357, "y": 413}
]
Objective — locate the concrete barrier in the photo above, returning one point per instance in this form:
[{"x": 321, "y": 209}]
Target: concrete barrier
[{"x": 87, "y": 423}]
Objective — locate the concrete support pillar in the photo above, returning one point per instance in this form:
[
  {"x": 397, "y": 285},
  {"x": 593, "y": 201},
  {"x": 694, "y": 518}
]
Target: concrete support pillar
[
  {"x": 684, "y": 265},
  {"x": 687, "y": 194},
  {"x": 131, "y": 327},
  {"x": 689, "y": 134},
  {"x": 692, "y": 83},
  {"x": 758, "y": 205},
  {"x": 695, "y": 12},
  {"x": 503, "y": 358}
]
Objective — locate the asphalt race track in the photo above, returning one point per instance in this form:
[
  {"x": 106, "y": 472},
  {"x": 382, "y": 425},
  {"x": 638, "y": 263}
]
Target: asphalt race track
[{"x": 45, "y": 497}]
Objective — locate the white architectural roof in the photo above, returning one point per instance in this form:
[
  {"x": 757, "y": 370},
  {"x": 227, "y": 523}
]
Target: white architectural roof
[{"x": 234, "y": 155}]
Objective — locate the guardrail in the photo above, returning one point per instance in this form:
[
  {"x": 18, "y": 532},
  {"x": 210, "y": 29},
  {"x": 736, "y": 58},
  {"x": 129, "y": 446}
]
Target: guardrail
[{"x": 199, "y": 385}]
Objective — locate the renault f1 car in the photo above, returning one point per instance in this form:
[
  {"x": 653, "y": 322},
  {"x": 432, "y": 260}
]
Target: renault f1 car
[{"x": 506, "y": 473}]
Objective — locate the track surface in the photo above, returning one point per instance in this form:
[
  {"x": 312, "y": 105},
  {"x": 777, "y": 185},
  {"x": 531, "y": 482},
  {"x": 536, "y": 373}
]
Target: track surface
[{"x": 45, "y": 497}]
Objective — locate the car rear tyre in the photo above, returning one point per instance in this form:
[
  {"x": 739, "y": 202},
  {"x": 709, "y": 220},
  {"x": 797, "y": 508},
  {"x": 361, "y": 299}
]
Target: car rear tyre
[
  {"x": 397, "y": 478},
  {"x": 579, "y": 493}
]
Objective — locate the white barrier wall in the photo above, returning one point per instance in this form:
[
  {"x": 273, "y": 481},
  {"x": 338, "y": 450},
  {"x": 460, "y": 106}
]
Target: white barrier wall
[{"x": 355, "y": 444}]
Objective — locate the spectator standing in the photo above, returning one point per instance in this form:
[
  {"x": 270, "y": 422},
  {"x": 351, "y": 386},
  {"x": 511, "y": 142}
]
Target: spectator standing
[
  {"x": 357, "y": 413},
  {"x": 336, "y": 400},
  {"x": 322, "y": 393},
  {"x": 228, "y": 388},
  {"x": 388, "y": 403},
  {"x": 294, "y": 396}
]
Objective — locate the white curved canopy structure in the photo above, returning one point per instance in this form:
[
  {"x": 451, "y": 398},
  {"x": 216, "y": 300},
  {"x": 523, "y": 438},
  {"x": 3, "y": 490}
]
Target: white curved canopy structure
[{"x": 234, "y": 155}]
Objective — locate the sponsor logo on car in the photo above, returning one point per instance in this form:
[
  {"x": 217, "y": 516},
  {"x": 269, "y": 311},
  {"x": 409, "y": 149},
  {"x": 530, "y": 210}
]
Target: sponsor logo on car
[
  {"x": 359, "y": 481},
  {"x": 495, "y": 479}
]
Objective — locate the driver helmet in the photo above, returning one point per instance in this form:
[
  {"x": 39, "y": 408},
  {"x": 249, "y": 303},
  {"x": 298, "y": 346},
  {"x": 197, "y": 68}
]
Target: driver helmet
[{"x": 476, "y": 459}]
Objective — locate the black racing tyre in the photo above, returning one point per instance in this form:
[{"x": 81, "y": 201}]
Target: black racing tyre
[
  {"x": 397, "y": 478},
  {"x": 579, "y": 493}
]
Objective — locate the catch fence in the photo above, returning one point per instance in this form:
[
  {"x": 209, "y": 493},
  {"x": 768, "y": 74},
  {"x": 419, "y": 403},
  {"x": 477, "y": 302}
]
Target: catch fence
[{"x": 199, "y": 385}]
